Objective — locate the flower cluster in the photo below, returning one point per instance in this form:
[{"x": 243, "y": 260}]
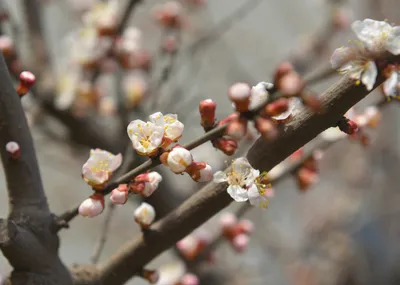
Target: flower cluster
[
  {"x": 158, "y": 133},
  {"x": 180, "y": 160},
  {"x": 375, "y": 38},
  {"x": 236, "y": 231},
  {"x": 246, "y": 183},
  {"x": 144, "y": 185},
  {"x": 192, "y": 245}
]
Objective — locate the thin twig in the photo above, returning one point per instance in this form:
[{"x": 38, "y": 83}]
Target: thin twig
[{"x": 103, "y": 234}]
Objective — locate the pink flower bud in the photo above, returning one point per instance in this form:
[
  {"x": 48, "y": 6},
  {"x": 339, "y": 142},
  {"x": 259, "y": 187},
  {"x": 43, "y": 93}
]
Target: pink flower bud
[
  {"x": 13, "y": 149},
  {"x": 306, "y": 178},
  {"x": 245, "y": 227},
  {"x": 240, "y": 242},
  {"x": 190, "y": 279},
  {"x": 145, "y": 215},
  {"x": 239, "y": 93},
  {"x": 207, "y": 112},
  {"x": 152, "y": 276},
  {"x": 288, "y": 81},
  {"x": 170, "y": 14},
  {"x": 348, "y": 126},
  {"x": 227, "y": 221},
  {"x": 92, "y": 207},
  {"x": 266, "y": 128},
  {"x": 227, "y": 146},
  {"x": 120, "y": 194},
  {"x": 199, "y": 171},
  {"x": 6, "y": 45},
  {"x": 188, "y": 246},
  {"x": 206, "y": 174},
  {"x": 26, "y": 81},
  {"x": 277, "y": 107},
  {"x": 237, "y": 129}
]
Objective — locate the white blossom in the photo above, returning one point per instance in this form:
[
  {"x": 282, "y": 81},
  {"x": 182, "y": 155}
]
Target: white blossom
[
  {"x": 179, "y": 159},
  {"x": 173, "y": 128},
  {"x": 391, "y": 87},
  {"x": 378, "y": 35},
  {"x": 239, "y": 177},
  {"x": 99, "y": 167},
  {"x": 146, "y": 137},
  {"x": 361, "y": 69},
  {"x": 145, "y": 215},
  {"x": 92, "y": 207}
]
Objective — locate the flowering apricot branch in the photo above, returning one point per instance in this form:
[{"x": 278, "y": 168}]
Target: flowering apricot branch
[
  {"x": 289, "y": 167},
  {"x": 263, "y": 155}
]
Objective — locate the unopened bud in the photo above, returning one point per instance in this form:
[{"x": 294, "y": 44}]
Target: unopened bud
[
  {"x": 93, "y": 206},
  {"x": 6, "y": 46},
  {"x": 227, "y": 146},
  {"x": 152, "y": 276},
  {"x": 120, "y": 194},
  {"x": 237, "y": 129},
  {"x": 288, "y": 81},
  {"x": 227, "y": 222},
  {"x": 207, "y": 112},
  {"x": 277, "y": 107},
  {"x": 245, "y": 227},
  {"x": 200, "y": 171},
  {"x": 170, "y": 44},
  {"x": 13, "y": 149},
  {"x": 348, "y": 126},
  {"x": 26, "y": 81},
  {"x": 266, "y": 128},
  {"x": 240, "y": 242},
  {"x": 306, "y": 178},
  {"x": 342, "y": 18},
  {"x": 145, "y": 215},
  {"x": 239, "y": 93}
]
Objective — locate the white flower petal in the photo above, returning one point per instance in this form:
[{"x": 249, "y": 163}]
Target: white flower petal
[
  {"x": 238, "y": 193},
  {"x": 220, "y": 177},
  {"x": 368, "y": 77},
  {"x": 393, "y": 42},
  {"x": 259, "y": 94},
  {"x": 341, "y": 56},
  {"x": 390, "y": 85},
  {"x": 157, "y": 118}
]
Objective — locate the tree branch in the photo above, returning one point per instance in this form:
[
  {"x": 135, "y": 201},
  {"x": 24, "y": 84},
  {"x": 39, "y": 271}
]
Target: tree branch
[
  {"x": 27, "y": 238},
  {"x": 25, "y": 189},
  {"x": 131, "y": 257}
]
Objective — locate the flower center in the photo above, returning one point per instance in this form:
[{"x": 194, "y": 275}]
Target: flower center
[
  {"x": 235, "y": 178},
  {"x": 102, "y": 165}
]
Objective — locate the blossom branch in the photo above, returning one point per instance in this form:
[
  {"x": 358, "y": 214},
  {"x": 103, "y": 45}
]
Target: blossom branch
[
  {"x": 212, "y": 198},
  {"x": 215, "y": 133}
]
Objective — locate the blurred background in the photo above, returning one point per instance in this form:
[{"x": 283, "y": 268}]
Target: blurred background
[{"x": 344, "y": 230}]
